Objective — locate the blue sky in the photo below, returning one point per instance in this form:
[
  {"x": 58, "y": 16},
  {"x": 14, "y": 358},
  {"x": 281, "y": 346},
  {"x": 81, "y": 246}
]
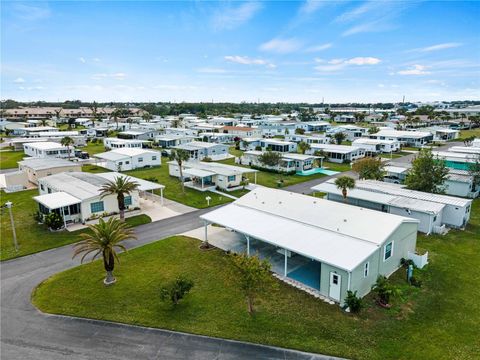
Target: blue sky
[{"x": 301, "y": 51}]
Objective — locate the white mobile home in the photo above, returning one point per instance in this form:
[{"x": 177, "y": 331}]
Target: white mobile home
[
  {"x": 76, "y": 196},
  {"x": 278, "y": 145},
  {"x": 288, "y": 163},
  {"x": 200, "y": 150},
  {"x": 338, "y": 153},
  {"x": 48, "y": 149},
  {"x": 125, "y": 159},
  {"x": 116, "y": 143},
  {"x": 327, "y": 246},
  {"x": 376, "y": 146},
  {"x": 408, "y": 138},
  {"x": 171, "y": 140}
]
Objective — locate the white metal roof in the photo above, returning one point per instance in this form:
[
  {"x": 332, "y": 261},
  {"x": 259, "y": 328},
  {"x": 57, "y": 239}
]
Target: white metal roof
[
  {"x": 403, "y": 134},
  {"x": 329, "y": 232},
  {"x": 342, "y": 149},
  {"x": 46, "y": 163},
  {"x": 198, "y": 172},
  {"x": 112, "y": 156},
  {"x": 293, "y": 156},
  {"x": 395, "y": 169},
  {"x": 45, "y": 145},
  {"x": 395, "y": 189},
  {"x": 143, "y": 185},
  {"x": 465, "y": 149},
  {"x": 56, "y": 200}
]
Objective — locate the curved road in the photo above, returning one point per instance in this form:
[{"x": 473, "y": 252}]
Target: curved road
[{"x": 28, "y": 334}]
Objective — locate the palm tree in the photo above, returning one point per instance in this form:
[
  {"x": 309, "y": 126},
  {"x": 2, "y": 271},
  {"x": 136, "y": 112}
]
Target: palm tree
[
  {"x": 180, "y": 155},
  {"x": 303, "y": 146},
  {"x": 146, "y": 116},
  {"x": 343, "y": 183},
  {"x": 104, "y": 239},
  {"x": 120, "y": 186},
  {"x": 67, "y": 141}
]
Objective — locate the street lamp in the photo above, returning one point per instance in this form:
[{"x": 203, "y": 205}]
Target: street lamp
[
  {"x": 9, "y": 204},
  {"x": 208, "y": 198}
]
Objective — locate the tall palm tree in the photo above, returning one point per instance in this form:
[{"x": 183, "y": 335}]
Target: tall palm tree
[
  {"x": 146, "y": 116},
  {"x": 345, "y": 183},
  {"x": 104, "y": 239},
  {"x": 120, "y": 186},
  {"x": 67, "y": 141},
  {"x": 180, "y": 155},
  {"x": 115, "y": 114}
]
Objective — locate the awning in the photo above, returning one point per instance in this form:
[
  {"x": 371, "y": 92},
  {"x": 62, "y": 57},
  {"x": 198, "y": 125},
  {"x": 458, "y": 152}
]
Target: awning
[
  {"x": 56, "y": 200},
  {"x": 143, "y": 185},
  {"x": 198, "y": 172}
]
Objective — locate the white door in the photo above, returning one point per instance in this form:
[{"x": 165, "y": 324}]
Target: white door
[{"x": 335, "y": 285}]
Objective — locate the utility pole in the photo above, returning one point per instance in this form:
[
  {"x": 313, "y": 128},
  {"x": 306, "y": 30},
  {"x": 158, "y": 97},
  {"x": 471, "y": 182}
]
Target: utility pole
[{"x": 9, "y": 204}]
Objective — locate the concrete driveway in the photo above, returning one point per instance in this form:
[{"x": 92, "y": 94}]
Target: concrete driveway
[{"x": 28, "y": 334}]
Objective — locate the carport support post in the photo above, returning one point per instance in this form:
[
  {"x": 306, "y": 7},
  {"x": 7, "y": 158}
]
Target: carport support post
[
  {"x": 248, "y": 245},
  {"x": 286, "y": 264},
  {"x": 63, "y": 217},
  {"x": 255, "y": 173},
  {"x": 206, "y": 231}
]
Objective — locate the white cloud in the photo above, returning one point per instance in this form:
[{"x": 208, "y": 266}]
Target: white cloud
[
  {"x": 318, "y": 48},
  {"x": 281, "y": 46},
  {"x": 116, "y": 76},
  {"x": 82, "y": 60},
  {"x": 211, "y": 70},
  {"x": 233, "y": 17},
  {"x": 19, "y": 80},
  {"x": 245, "y": 60},
  {"x": 357, "y": 12},
  {"x": 338, "y": 64},
  {"x": 363, "y": 61},
  {"x": 415, "y": 70},
  {"x": 95, "y": 59},
  {"x": 31, "y": 12},
  {"x": 311, "y": 6},
  {"x": 440, "y": 47}
]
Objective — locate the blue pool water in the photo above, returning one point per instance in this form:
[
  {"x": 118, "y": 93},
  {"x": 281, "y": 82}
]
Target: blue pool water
[
  {"x": 317, "y": 171},
  {"x": 308, "y": 274}
]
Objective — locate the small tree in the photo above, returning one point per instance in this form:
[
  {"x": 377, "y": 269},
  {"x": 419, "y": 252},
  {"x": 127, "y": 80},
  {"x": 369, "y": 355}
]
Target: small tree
[
  {"x": 427, "y": 173},
  {"x": 369, "y": 168},
  {"x": 270, "y": 158},
  {"x": 253, "y": 277},
  {"x": 303, "y": 146},
  {"x": 384, "y": 290},
  {"x": 344, "y": 183},
  {"x": 54, "y": 221},
  {"x": 180, "y": 156},
  {"x": 339, "y": 137},
  {"x": 299, "y": 131},
  {"x": 67, "y": 141},
  {"x": 373, "y": 130},
  {"x": 176, "y": 290},
  {"x": 353, "y": 302}
]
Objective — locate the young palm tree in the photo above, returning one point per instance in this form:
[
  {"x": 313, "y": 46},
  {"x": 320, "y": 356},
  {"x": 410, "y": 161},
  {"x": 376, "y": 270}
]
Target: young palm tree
[
  {"x": 344, "y": 183},
  {"x": 67, "y": 141},
  {"x": 121, "y": 186},
  {"x": 105, "y": 238},
  {"x": 303, "y": 146},
  {"x": 115, "y": 114},
  {"x": 180, "y": 155}
]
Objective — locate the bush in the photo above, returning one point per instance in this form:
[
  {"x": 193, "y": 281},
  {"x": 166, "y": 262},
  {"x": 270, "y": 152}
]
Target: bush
[
  {"x": 152, "y": 179},
  {"x": 406, "y": 262},
  {"x": 384, "y": 290},
  {"x": 176, "y": 290},
  {"x": 415, "y": 282},
  {"x": 353, "y": 302},
  {"x": 54, "y": 221},
  {"x": 207, "y": 159},
  {"x": 258, "y": 148}
]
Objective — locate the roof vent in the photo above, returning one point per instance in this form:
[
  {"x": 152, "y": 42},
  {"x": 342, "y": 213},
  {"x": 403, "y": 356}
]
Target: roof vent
[{"x": 344, "y": 220}]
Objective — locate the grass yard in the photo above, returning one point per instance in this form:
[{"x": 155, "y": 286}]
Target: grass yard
[
  {"x": 469, "y": 133},
  {"x": 173, "y": 189},
  {"x": 9, "y": 159},
  {"x": 394, "y": 155},
  {"x": 93, "y": 148},
  {"x": 440, "y": 320},
  {"x": 31, "y": 236}
]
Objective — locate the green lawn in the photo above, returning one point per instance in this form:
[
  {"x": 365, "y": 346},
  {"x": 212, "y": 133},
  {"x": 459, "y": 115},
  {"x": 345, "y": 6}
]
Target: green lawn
[
  {"x": 468, "y": 133},
  {"x": 9, "y": 159},
  {"x": 438, "y": 321},
  {"x": 394, "y": 155},
  {"x": 31, "y": 236},
  {"x": 93, "y": 148},
  {"x": 173, "y": 189}
]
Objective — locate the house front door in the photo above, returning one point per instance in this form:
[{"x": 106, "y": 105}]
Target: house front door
[{"x": 335, "y": 285}]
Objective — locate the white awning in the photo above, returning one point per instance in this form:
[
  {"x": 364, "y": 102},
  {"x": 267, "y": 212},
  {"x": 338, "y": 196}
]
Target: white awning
[
  {"x": 143, "y": 185},
  {"x": 56, "y": 200},
  {"x": 198, "y": 172}
]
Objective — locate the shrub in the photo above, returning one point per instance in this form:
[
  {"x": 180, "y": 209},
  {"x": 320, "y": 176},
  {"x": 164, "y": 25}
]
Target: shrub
[
  {"x": 406, "y": 262},
  {"x": 384, "y": 290},
  {"x": 415, "y": 282},
  {"x": 258, "y": 148},
  {"x": 152, "y": 179},
  {"x": 353, "y": 302},
  {"x": 207, "y": 159},
  {"x": 54, "y": 221},
  {"x": 176, "y": 290}
]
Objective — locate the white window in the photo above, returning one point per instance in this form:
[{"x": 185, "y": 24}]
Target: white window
[
  {"x": 365, "y": 269},
  {"x": 388, "y": 251}
]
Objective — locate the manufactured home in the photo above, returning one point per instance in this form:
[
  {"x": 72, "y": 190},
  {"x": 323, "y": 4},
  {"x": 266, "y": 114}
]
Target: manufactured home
[{"x": 125, "y": 159}]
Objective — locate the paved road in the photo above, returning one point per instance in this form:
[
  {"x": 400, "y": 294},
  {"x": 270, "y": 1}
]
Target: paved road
[{"x": 28, "y": 334}]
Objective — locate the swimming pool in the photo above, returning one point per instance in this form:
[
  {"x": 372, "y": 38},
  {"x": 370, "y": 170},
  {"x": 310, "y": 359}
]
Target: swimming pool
[{"x": 317, "y": 171}]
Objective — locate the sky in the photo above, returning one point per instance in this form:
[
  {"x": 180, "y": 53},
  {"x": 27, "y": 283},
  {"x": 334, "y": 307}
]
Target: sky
[{"x": 232, "y": 51}]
